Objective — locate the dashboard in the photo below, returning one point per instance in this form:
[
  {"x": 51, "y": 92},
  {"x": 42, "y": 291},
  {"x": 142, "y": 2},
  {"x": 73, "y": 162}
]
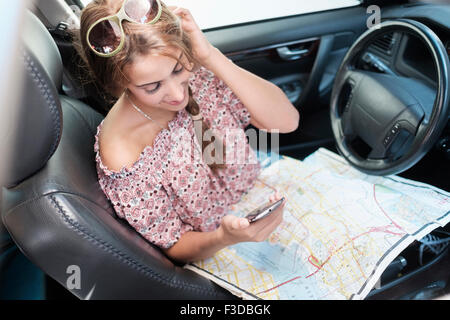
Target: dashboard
[{"x": 404, "y": 55}]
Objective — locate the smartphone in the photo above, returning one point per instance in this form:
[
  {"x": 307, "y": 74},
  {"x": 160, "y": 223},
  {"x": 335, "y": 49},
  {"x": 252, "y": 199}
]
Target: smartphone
[{"x": 263, "y": 211}]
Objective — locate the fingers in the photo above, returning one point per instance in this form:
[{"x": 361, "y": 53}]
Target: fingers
[
  {"x": 241, "y": 230},
  {"x": 244, "y": 223},
  {"x": 177, "y": 11},
  {"x": 182, "y": 12},
  {"x": 276, "y": 196},
  {"x": 227, "y": 221},
  {"x": 186, "y": 19},
  {"x": 173, "y": 8},
  {"x": 235, "y": 223},
  {"x": 240, "y": 223},
  {"x": 269, "y": 227}
]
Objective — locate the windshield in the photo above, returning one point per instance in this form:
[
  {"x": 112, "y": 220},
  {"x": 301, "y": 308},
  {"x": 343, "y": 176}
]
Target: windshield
[{"x": 218, "y": 13}]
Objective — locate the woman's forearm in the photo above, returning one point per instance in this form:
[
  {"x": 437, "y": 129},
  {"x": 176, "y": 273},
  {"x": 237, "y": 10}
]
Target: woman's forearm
[
  {"x": 195, "y": 246},
  {"x": 268, "y": 105}
]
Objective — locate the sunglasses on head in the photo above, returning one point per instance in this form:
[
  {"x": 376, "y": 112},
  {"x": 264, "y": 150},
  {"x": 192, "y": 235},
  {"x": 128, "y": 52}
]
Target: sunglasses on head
[{"x": 106, "y": 36}]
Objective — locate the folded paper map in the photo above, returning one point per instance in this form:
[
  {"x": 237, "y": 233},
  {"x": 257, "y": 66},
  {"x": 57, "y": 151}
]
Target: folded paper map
[{"x": 341, "y": 230}]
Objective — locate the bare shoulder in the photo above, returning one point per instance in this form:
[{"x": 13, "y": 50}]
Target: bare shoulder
[
  {"x": 118, "y": 155},
  {"x": 118, "y": 148}
]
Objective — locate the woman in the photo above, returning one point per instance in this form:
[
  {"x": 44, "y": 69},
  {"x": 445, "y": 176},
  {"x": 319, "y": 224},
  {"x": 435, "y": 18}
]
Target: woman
[{"x": 167, "y": 79}]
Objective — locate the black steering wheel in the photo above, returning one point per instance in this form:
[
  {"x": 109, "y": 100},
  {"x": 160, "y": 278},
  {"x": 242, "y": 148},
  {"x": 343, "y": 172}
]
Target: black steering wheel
[{"x": 384, "y": 123}]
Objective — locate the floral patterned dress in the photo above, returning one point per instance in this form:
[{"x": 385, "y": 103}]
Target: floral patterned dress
[{"x": 169, "y": 191}]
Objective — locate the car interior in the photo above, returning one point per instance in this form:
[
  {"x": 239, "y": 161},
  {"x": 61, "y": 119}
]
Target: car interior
[{"x": 55, "y": 215}]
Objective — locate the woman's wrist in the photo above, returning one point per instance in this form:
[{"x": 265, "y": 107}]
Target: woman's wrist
[{"x": 213, "y": 59}]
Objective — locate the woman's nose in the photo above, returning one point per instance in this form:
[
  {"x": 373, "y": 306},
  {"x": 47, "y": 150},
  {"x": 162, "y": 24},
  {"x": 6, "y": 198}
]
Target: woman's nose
[{"x": 176, "y": 91}]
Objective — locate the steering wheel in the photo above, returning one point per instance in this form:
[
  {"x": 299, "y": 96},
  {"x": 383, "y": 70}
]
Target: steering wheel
[{"x": 385, "y": 123}]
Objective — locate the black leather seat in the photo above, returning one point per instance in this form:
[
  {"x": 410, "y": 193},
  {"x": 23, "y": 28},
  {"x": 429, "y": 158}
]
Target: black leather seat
[{"x": 54, "y": 208}]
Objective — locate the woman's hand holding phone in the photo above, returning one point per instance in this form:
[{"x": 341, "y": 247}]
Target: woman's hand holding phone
[{"x": 234, "y": 229}]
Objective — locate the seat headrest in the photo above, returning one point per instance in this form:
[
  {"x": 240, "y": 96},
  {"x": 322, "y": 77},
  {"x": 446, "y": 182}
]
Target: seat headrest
[
  {"x": 38, "y": 41},
  {"x": 39, "y": 129}
]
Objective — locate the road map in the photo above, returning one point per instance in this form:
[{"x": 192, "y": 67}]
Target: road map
[{"x": 341, "y": 230}]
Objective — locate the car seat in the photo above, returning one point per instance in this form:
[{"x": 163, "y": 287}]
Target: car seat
[{"x": 53, "y": 206}]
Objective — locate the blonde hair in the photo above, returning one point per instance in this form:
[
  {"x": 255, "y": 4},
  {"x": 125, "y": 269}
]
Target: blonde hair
[{"x": 140, "y": 39}]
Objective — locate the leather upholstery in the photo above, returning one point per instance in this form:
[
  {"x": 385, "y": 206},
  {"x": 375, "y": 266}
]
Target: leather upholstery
[
  {"x": 39, "y": 129},
  {"x": 59, "y": 217},
  {"x": 38, "y": 43}
]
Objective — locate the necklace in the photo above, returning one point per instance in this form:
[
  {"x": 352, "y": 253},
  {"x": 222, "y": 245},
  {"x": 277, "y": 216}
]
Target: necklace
[
  {"x": 197, "y": 119},
  {"x": 142, "y": 112}
]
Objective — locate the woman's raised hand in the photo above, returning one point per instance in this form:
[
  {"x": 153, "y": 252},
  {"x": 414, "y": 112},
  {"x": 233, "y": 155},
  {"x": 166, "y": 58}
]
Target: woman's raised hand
[
  {"x": 234, "y": 230},
  {"x": 202, "y": 48}
]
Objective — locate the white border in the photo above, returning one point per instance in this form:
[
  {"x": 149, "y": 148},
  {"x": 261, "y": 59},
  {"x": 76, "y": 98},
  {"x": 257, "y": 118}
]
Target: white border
[{"x": 220, "y": 13}]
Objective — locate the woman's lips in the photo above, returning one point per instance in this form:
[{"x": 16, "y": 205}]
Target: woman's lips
[{"x": 176, "y": 103}]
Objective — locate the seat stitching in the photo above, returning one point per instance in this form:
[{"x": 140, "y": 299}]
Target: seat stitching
[
  {"x": 48, "y": 96},
  {"x": 122, "y": 256}
]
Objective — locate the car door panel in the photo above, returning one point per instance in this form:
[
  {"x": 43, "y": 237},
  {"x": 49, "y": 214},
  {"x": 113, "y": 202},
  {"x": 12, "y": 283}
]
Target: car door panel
[{"x": 322, "y": 39}]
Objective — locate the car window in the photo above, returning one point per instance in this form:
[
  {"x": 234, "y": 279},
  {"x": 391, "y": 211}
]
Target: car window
[{"x": 219, "y": 13}]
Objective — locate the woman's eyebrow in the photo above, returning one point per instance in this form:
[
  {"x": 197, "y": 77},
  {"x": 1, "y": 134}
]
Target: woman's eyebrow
[{"x": 147, "y": 84}]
